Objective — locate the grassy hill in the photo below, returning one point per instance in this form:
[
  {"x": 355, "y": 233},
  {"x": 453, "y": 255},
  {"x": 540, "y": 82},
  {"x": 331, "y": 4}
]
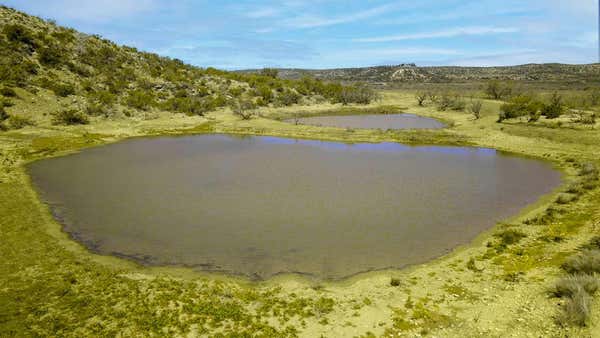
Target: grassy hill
[
  {"x": 410, "y": 73},
  {"x": 39, "y": 59}
]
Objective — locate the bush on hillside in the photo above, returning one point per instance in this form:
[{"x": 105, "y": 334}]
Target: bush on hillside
[
  {"x": 8, "y": 92},
  {"x": 521, "y": 105},
  {"x": 19, "y": 122},
  {"x": 69, "y": 117},
  {"x": 243, "y": 108},
  {"x": 19, "y": 34},
  {"x": 3, "y": 114},
  {"x": 288, "y": 98},
  {"x": 51, "y": 55},
  {"x": 140, "y": 99},
  {"x": 360, "y": 94}
]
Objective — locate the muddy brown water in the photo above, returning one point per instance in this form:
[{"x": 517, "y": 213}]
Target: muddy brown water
[
  {"x": 260, "y": 206},
  {"x": 379, "y": 121}
]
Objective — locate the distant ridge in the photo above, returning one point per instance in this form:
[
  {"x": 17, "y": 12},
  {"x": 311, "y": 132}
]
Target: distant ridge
[{"x": 549, "y": 72}]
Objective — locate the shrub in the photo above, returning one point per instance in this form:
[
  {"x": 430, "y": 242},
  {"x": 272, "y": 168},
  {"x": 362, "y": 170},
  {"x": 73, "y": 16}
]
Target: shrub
[
  {"x": 565, "y": 198},
  {"x": 509, "y": 237},
  {"x": 288, "y": 97},
  {"x": 8, "y": 92},
  {"x": 497, "y": 90},
  {"x": 472, "y": 266},
  {"x": 395, "y": 282},
  {"x": 19, "y": 33},
  {"x": 69, "y": 117},
  {"x": 360, "y": 94},
  {"x": 140, "y": 99},
  {"x": 587, "y": 262},
  {"x": 265, "y": 93},
  {"x": 3, "y": 114},
  {"x": 475, "y": 108},
  {"x": 458, "y": 104},
  {"x": 444, "y": 102},
  {"x": 243, "y": 109},
  {"x": 570, "y": 285},
  {"x": 63, "y": 89},
  {"x": 576, "y": 309},
  {"x": 421, "y": 98},
  {"x": 96, "y": 110},
  {"x": 554, "y": 108},
  {"x": 589, "y": 169},
  {"x": 18, "y": 122},
  {"x": 519, "y": 106},
  {"x": 51, "y": 55}
]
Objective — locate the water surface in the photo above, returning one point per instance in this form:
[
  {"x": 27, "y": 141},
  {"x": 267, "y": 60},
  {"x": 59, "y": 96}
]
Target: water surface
[
  {"x": 259, "y": 206},
  {"x": 378, "y": 121}
]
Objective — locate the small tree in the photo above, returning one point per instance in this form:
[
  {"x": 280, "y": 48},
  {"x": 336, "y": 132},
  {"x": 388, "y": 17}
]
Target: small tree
[
  {"x": 554, "y": 108},
  {"x": 243, "y": 108},
  {"x": 521, "y": 105},
  {"x": 421, "y": 98},
  {"x": 497, "y": 91},
  {"x": 475, "y": 108},
  {"x": 69, "y": 117}
]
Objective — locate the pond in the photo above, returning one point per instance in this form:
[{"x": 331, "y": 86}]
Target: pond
[
  {"x": 378, "y": 121},
  {"x": 261, "y": 206}
]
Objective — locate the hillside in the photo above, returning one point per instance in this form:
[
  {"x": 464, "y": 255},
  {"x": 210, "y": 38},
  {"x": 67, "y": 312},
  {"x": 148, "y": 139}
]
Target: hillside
[
  {"x": 410, "y": 73},
  {"x": 81, "y": 77}
]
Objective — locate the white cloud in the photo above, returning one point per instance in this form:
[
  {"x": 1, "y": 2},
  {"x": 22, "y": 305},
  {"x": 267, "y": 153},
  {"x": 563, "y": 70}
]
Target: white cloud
[
  {"x": 308, "y": 21},
  {"x": 267, "y": 12},
  {"x": 447, "y": 33}
]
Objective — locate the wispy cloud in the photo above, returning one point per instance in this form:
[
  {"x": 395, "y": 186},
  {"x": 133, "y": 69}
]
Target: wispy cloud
[
  {"x": 308, "y": 21},
  {"x": 446, "y": 33},
  {"x": 267, "y": 12}
]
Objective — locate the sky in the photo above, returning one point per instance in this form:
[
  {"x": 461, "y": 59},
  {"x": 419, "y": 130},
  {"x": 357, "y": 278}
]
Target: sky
[{"x": 337, "y": 33}]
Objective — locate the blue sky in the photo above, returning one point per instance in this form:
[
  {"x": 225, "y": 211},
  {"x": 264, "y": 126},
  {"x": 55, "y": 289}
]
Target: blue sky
[{"x": 337, "y": 33}]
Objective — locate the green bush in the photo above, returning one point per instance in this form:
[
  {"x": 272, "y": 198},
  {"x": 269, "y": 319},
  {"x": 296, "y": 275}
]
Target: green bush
[
  {"x": 8, "y": 92},
  {"x": 140, "y": 99},
  {"x": 51, "y": 55},
  {"x": 554, "y": 108},
  {"x": 69, "y": 117},
  {"x": 18, "y": 122},
  {"x": 64, "y": 89},
  {"x": 288, "y": 98},
  {"x": 3, "y": 114},
  {"x": 97, "y": 110},
  {"x": 587, "y": 262},
  {"x": 570, "y": 285},
  {"x": 20, "y": 34},
  {"x": 359, "y": 94},
  {"x": 521, "y": 105},
  {"x": 508, "y": 237},
  {"x": 475, "y": 108},
  {"x": 497, "y": 90}
]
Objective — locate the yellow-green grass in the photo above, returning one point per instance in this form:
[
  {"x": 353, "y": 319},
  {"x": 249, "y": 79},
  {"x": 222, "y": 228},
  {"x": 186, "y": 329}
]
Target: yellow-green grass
[{"x": 51, "y": 285}]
